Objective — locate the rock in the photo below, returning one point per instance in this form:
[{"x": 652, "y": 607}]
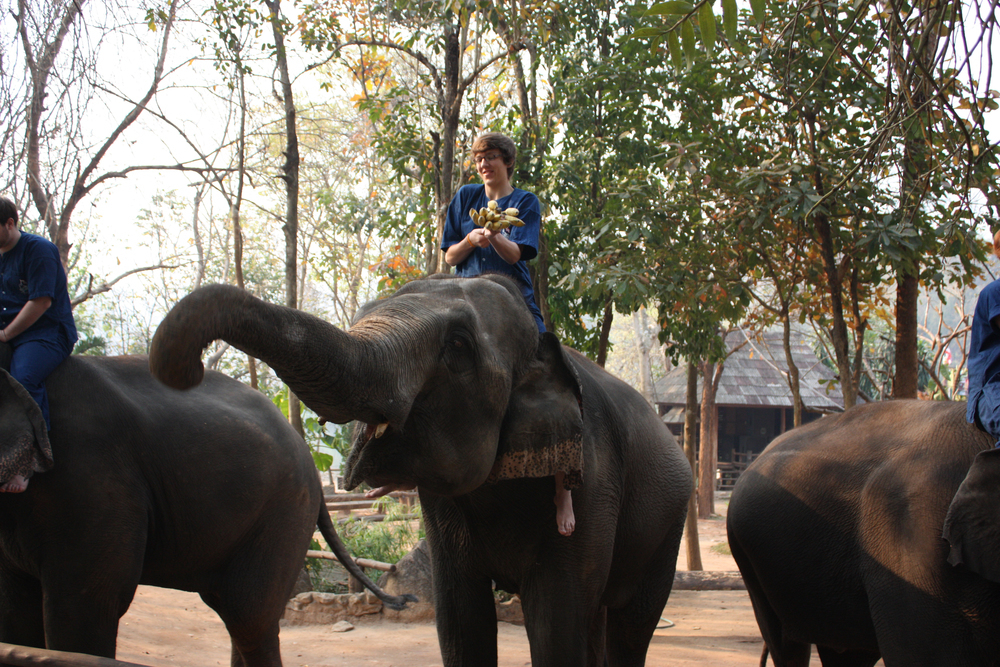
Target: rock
[
  {"x": 341, "y": 626},
  {"x": 412, "y": 575},
  {"x": 303, "y": 584},
  {"x": 327, "y": 608},
  {"x": 510, "y": 611}
]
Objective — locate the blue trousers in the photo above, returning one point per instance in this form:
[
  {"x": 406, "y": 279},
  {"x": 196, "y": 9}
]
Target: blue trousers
[{"x": 32, "y": 362}]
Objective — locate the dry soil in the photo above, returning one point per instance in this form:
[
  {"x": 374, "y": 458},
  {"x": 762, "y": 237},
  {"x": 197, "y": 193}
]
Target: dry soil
[{"x": 709, "y": 628}]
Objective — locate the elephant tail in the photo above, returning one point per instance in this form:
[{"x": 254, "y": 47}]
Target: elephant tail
[
  {"x": 329, "y": 533},
  {"x": 763, "y": 656}
]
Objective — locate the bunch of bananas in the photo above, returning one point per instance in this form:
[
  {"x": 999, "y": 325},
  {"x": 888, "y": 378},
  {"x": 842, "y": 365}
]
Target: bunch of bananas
[{"x": 493, "y": 219}]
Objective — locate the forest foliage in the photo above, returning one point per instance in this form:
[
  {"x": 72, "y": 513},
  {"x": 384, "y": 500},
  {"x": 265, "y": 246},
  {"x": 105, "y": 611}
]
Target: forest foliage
[{"x": 784, "y": 164}]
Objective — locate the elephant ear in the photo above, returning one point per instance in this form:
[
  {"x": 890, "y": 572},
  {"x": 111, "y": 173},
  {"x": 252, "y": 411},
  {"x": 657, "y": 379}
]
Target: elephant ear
[
  {"x": 542, "y": 431},
  {"x": 24, "y": 440},
  {"x": 972, "y": 525}
]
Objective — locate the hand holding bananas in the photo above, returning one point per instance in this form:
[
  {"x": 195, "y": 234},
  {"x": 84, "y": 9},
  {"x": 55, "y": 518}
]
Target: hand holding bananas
[{"x": 492, "y": 218}]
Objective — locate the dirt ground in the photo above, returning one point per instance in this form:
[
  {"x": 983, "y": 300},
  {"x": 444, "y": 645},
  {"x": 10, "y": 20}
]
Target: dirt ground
[{"x": 710, "y": 628}]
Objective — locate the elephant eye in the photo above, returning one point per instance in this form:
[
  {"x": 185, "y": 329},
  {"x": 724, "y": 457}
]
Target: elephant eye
[{"x": 457, "y": 353}]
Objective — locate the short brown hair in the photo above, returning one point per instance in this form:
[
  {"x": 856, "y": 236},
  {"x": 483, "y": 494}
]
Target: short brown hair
[
  {"x": 500, "y": 142},
  {"x": 996, "y": 243},
  {"x": 8, "y": 211}
]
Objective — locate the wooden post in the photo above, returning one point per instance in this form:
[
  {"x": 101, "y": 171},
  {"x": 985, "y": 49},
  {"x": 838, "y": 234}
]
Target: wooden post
[{"x": 353, "y": 585}]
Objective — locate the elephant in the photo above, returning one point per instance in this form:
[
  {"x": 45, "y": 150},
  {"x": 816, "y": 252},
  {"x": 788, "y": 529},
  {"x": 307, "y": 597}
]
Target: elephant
[
  {"x": 456, "y": 393},
  {"x": 209, "y": 491},
  {"x": 837, "y": 530}
]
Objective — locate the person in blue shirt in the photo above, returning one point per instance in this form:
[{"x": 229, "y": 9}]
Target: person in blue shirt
[
  {"x": 36, "y": 318},
  {"x": 473, "y": 250},
  {"x": 983, "y": 408}
]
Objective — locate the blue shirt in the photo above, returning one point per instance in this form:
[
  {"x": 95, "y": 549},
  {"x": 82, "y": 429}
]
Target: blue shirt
[
  {"x": 984, "y": 351},
  {"x": 486, "y": 260},
  {"x": 31, "y": 270}
]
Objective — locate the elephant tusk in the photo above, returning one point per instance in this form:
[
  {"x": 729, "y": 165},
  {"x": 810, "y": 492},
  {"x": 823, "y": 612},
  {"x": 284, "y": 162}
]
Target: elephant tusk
[{"x": 380, "y": 429}]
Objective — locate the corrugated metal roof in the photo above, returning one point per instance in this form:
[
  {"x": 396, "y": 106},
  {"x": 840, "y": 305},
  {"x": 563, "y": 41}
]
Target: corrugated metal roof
[{"x": 755, "y": 375}]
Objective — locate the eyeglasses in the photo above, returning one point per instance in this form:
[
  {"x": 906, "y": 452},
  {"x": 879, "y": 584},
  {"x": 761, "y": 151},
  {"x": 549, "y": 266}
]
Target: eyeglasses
[{"x": 479, "y": 159}]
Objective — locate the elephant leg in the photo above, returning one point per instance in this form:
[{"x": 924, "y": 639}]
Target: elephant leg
[
  {"x": 252, "y": 627},
  {"x": 251, "y": 593},
  {"x": 87, "y": 589},
  {"x": 631, "y": 625},
  {"x": 21, "y": 620},
  {"x": 559, "y": 612},
  {"x": 833, "y": 658},
  {"x": 466, "y": 618}
]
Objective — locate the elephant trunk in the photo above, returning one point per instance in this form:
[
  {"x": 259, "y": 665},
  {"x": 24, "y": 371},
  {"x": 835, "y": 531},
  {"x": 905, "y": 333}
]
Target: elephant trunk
[{"x": 328, "y": 369}]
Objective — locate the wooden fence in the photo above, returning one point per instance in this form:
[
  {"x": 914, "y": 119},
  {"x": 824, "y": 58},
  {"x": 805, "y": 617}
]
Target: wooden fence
[{"x": 730, "y": 471}]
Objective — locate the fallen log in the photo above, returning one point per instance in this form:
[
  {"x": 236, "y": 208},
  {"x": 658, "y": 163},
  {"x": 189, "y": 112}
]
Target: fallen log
[
  {"x": 27, "y": 656},
  {"x": 704, "y": 580},
  {"x": 363, "y": 562}
]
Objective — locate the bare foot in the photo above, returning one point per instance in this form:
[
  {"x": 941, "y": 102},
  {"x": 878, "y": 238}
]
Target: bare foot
[
  {"x": 565, "y": 519},
  {"x": 16, "y": 484}
]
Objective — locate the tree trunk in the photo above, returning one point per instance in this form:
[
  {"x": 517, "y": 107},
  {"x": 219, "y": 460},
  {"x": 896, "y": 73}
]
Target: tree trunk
[
  {"x": 793, "y": 370},
  {"x": 708, "y": 447},
  {"x": 450, "y": 117},
  {"x": 290, "y": 174},
  {"x": 642, "y": 349},
  {"x": 912, "y": 60},
  {"x": 690, "y": 419},
  {"x": 237, "y": 202},
  {"x": 602, "y": 344},
  {"x": 904, "y": 384}
]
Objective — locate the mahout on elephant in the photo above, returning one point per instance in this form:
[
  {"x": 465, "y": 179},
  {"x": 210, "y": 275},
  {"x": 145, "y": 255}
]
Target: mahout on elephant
[
  {"x": 456, "y": 393},
  {"x": 208, "y": 491},
  {"x": 837, "y": 530}
]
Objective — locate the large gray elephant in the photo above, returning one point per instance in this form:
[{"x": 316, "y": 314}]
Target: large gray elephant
[
  {"x": 837, "y": 529},
  {"x": 208, "y": 491},
  {"x": 457, "y": 393}
]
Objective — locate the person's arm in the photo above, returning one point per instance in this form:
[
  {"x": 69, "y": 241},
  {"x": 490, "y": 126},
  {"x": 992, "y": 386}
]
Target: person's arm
[
  {"x": 457, "y": 253},
  {"x": 29, "y": 314},
  {"x": 507, "y": 249}
]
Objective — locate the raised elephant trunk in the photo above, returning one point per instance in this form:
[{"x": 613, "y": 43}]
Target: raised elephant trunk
[{"x": 328, "y": 369}]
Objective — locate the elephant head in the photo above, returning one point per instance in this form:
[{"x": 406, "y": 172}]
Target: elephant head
[
  {"x": 972, "y": 524},
  {"x": 24, "y": 440},
  {"x": 448, "y": 378}
]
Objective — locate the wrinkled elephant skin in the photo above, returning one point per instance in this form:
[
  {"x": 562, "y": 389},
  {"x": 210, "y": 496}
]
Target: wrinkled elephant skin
[
  {"x": 455, "y": 392},
  {"x": 208, "y": 491},
  {"x": 837, "y": 530}
]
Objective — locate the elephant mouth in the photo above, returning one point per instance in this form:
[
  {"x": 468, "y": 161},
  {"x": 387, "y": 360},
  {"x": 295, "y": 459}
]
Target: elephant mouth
[{"x": 363, "y": 462}]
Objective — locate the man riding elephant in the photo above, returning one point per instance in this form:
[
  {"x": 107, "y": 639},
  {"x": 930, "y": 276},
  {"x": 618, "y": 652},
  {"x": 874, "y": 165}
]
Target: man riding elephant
[{"x": 36, "y": 318}]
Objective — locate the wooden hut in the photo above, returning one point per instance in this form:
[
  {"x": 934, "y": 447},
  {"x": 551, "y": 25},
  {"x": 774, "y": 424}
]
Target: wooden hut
[{"x": 754, "y": 401}]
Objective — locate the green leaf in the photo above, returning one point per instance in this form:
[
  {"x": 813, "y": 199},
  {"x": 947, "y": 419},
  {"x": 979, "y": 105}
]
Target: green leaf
[
  {"x": 323, "y": 461},
  {"x": 687, "y": 38},
  {"x": 670, "y": 7},
  {"x": 730, "y": 18},
  {"x": 758, "y": 7},
  {"x": 706, "y": 21},
  {"x": 649, "y": 31},
  {"x": 676, "y": 55}
]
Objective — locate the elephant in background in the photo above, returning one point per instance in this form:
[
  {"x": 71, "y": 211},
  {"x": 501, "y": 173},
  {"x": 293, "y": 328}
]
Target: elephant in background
[
  {"x": 837, "y": 530},
  {"x": 208, "y": 491},
  {"x": 456, "y": 393}
]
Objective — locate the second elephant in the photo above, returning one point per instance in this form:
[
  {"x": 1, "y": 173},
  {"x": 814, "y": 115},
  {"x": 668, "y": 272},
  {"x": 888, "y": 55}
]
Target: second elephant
[
  {"x": 458, "y": 395},
  {"x": 837, "y": 530},
  {"x": 209, "y": 491}
]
